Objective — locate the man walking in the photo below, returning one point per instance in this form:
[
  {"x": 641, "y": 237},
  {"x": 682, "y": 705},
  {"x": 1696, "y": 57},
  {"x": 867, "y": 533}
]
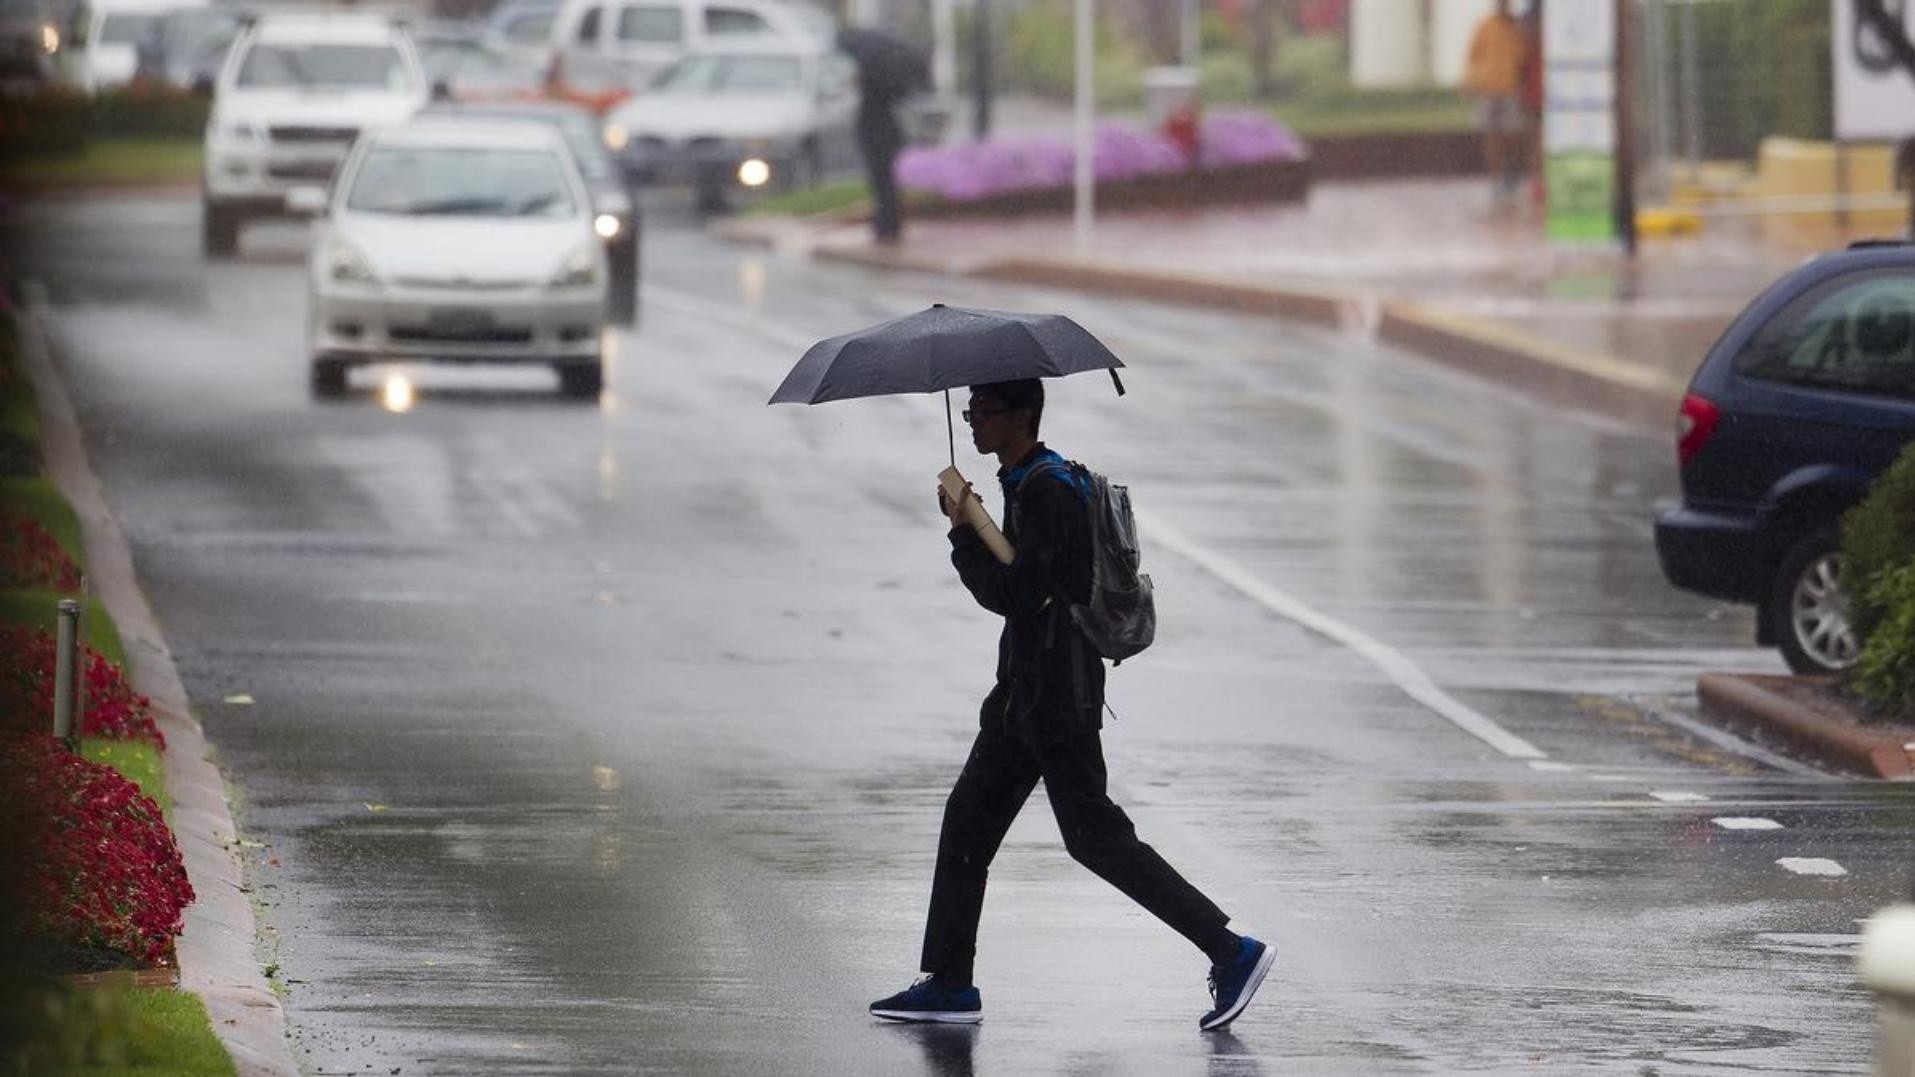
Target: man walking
[
  {"x": 889, "y": 70},
  {"x": 1042, "y": 720}
]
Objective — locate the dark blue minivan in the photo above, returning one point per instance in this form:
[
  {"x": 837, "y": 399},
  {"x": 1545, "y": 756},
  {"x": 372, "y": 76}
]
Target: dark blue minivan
[{"x": 1807, "y": 397}]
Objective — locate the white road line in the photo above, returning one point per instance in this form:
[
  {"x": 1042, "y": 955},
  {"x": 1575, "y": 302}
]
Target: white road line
[
  {"x": 1812, "y": 865},
  {"x": 1399, "y": 669},
  {"x": 1743, "y": 822},
  {"x": 1551, "y": 766},
  {"x": 1678, "y": 797}
]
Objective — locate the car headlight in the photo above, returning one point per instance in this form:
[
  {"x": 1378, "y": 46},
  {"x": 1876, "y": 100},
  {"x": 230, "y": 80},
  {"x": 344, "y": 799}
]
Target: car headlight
[
  {"x": 50, "y": 38},
  {"x": 607, "y": 225},
  {"x": 754, "y": 172},
  {"x": 345, "y": 264},
  {"x": 579, "y": 270},
  {"x": 616, "y": 137}
]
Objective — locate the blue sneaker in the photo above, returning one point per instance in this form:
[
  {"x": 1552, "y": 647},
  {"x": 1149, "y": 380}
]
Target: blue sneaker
[
  {"x": 926, "y": 1001},
  {"x": 1232, "y": 985}
]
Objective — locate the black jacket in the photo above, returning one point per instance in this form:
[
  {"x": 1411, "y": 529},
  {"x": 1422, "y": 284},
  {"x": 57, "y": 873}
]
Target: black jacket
[{"x": 1050, "y": 681}]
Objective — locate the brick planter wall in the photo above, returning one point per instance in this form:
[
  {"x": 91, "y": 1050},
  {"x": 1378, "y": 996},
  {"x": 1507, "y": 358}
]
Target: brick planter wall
[{"x": 1273, "y": 181}]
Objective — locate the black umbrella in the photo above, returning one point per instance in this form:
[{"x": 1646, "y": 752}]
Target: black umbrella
[
  {"x": 889, "y": 67},
  {"x": 941, "y": 348}
]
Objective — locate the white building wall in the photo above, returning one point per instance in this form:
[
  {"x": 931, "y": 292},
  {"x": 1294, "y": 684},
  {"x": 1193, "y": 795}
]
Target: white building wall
[
  {"x": 1389, "y": 43},
  {"x": 1452, "y": 24}
]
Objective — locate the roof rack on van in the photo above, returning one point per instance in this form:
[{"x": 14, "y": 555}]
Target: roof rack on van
[
  {"x": 1883, "y": 241},
  {"x": 397, "y": 15}
]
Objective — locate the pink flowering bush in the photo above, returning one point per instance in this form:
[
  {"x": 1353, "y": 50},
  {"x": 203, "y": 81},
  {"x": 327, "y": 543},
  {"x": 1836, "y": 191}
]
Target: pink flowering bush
[
  {"x": 968, "y": 172},
  {"x": 113, "y": 708},
  {"x": 92, "y": 861},
  {"x": 31, "y": 557}
]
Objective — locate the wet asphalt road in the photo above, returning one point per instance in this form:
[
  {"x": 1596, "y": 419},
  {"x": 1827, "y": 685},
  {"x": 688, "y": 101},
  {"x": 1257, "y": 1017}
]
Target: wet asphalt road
[{"x": 613, "y": 739}]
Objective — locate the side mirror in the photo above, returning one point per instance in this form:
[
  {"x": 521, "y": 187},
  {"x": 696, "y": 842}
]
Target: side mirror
[{"x": 306, "y": 201}]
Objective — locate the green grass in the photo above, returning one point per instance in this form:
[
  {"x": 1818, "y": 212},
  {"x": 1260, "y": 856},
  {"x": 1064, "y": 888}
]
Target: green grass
[
  {"x": 1352, "y": 116},
  {"x": 110, "y": 1032},
  {"x": 107, "y": 162},
  {"x": 39, "y": 500},
  {"x": 37, "y": 609},
  {"x": 138, "y": 761},
  {"x": 19, "y": 407},
  {"x": 810, "y": 201}
]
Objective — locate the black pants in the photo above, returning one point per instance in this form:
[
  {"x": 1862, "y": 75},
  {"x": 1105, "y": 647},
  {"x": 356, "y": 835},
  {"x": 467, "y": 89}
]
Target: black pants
[
  {"x": 997, "y": 778},
  {"x": 880, "y": 151}
]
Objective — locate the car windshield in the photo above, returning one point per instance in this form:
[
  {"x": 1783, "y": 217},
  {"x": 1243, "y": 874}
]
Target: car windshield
[
  {"x": 461, "y": 182},
  {"x": 125, "y": 29},
  {"x": 194, "y": 33},
  {"x": 371, "y": 67},
  {"x": 713, "y": 74}
]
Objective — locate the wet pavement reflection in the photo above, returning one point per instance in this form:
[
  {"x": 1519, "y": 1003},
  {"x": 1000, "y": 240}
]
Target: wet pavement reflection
[{"x": 614, "y": 739}]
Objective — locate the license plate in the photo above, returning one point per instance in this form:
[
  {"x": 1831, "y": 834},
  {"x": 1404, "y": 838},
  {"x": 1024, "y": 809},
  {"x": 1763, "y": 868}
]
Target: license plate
[{"x": 447, "y": 318}]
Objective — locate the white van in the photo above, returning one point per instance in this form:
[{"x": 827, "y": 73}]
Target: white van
[
  {"x": 639, "y": 38},
  {"x": 103, "y": 39}
]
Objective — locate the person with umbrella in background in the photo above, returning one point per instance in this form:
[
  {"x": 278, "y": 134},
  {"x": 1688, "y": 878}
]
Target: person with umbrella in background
[
  {"x": 890, "y": 69},
  {"x": 1043, "y": 716}
]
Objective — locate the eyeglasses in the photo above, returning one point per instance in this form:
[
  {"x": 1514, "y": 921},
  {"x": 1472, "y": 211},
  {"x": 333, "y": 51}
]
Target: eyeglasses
[{"x": 973, "y": 415}]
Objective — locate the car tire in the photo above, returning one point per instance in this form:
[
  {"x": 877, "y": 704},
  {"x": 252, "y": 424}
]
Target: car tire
[
  {"x": 621, "y": 298},
  {"x": 582, "y": 381},
  {"x": 329, "y": 376},
  {"x": 219, "y": 231},
  {"x": 1806, "y": 612}
]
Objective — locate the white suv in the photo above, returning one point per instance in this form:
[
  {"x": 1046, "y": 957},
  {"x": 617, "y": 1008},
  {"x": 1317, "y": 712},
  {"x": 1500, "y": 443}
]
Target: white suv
[{"x": 295, "y": 90}]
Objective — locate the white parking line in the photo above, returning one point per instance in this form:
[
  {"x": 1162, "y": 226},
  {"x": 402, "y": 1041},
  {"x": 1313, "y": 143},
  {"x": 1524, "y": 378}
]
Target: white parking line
[
  {"x": 1399, "y": 669},
  {"x": 1678, "y": 797},
  {"x": 1812, "y": 865},
  {"x": 1741, "y": 822}
]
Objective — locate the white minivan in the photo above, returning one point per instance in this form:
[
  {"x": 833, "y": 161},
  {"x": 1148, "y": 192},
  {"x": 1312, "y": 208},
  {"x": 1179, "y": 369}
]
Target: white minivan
[{"x": 639, "y": 38}]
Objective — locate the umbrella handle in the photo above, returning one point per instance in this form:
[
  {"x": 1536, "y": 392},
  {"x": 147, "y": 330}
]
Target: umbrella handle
[
  {"x": 1114, "y": 380},
  {"x": 950, "y": 432}
]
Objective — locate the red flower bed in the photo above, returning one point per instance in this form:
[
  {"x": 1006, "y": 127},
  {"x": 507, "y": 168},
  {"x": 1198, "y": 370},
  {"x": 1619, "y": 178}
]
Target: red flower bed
[
  {"x": 92, "y": 857},
  {"x": 113, "y": 709},
  {"x": 30, "y": 557}
]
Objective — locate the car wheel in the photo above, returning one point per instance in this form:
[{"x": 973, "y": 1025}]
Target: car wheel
[
  {"x": 328, "y": 376},
  {"x": 582, "y": 381},
  {"x": 219, "y": 231},
  {"x": 621, "y": 301},
  {"x": 1807, "y": 612}
]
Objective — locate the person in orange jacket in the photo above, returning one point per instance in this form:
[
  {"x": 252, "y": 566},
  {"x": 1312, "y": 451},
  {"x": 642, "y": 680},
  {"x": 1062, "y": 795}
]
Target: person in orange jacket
[{"x": 1498, "y": 55}]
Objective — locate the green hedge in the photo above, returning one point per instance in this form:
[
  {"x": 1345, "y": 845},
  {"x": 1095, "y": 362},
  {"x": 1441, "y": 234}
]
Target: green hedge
[
  {"x": 1878, "y": 536},
  {"x": 63, "y": 120},
  {"x": 1878, "y": 574}
]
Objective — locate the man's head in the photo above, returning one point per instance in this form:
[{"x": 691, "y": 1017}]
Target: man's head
[{"x": 1005, "y": 413}]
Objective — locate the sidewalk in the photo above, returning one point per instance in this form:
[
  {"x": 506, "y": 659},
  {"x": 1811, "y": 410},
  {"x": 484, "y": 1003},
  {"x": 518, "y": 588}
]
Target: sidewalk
[{"x": 1430, "y": 265}]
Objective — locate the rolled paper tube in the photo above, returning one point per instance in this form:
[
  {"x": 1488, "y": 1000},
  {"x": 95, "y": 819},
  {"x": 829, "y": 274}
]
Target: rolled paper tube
[{"x": 977, "y": 515}]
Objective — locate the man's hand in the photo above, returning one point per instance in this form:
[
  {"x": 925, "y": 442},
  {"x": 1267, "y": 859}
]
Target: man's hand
[{"x": 954, "y": 510}]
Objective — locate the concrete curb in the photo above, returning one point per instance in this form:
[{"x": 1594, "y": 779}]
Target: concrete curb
[
  {"x": 1756, "y": 703},
  {"x": 1503, "y": 353},
  {"x": 216, "y": 960}
]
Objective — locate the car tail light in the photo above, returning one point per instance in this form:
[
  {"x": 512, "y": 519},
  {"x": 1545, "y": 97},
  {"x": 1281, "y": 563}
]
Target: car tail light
[{"x": 1694, "y": 426}]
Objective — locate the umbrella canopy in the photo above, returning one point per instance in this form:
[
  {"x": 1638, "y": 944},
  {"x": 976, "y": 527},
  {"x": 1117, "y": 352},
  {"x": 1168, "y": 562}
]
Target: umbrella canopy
[
  {"x": 889, "y": 68},
  {"x": 941, "y": 348}
]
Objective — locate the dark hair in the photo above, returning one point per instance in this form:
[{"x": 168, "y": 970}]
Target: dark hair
[{"x": 1016, "y": 395}]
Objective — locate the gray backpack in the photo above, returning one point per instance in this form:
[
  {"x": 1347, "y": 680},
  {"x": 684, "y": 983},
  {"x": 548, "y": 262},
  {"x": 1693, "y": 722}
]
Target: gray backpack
[{"x": 1121, "y": 617}]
